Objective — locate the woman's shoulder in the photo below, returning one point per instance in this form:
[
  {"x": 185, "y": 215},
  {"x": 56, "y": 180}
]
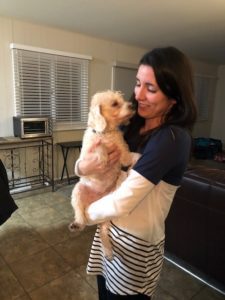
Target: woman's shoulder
[
  {"x": 170, "y": 137},
  {"x": 174, "y": 132}
]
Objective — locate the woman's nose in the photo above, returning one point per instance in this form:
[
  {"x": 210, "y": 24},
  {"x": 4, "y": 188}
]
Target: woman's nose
[{"x": 140, "y": 93}]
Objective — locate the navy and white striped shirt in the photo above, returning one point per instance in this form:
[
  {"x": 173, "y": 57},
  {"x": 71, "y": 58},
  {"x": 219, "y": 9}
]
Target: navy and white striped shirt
[{"x": 138, "y": 209}]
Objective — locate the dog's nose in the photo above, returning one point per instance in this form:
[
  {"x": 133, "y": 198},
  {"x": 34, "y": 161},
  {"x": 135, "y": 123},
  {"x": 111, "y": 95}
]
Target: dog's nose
[{"x": 131, "y": 105}]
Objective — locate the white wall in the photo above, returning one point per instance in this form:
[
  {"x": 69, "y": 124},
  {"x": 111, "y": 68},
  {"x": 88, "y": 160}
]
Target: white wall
[{"x": 6, "y": 88}]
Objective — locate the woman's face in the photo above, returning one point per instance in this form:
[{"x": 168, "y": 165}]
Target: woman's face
[{"x": 153, "y": 104}]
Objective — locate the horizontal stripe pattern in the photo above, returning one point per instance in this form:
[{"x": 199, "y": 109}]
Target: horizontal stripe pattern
[{"x": 135, "y": 267}]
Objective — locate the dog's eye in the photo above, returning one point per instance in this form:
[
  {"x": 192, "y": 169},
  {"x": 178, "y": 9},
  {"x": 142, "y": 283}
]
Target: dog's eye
[{"x": 115, "y": 103}]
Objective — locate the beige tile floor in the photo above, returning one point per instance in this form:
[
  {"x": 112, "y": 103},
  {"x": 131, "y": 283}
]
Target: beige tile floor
[{"x": 41, "y": 260}]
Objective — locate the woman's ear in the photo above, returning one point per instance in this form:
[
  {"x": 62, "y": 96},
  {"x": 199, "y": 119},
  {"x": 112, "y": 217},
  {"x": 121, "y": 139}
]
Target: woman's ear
[
  {"x": 96, "y": 119},
  {"x": 173, "y": 102}
]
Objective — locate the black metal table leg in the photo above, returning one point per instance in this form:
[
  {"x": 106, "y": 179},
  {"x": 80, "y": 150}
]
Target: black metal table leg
[{"x": 65, "y": 146}]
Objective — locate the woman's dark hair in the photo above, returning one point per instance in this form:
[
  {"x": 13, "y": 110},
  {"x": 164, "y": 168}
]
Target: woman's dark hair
[{"x": 173, "y": 73}]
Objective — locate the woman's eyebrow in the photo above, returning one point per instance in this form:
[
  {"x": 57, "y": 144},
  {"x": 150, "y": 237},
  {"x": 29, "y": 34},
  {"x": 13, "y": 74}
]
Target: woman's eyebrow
[{"x": 147, "y": 83}]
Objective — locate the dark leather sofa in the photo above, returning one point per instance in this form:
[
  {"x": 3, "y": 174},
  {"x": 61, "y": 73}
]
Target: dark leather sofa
[{"x": 195, "y": 226}]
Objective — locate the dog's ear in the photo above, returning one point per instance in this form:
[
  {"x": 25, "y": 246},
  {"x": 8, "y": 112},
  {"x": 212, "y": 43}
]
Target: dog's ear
[{"x": 96, "y": 119}]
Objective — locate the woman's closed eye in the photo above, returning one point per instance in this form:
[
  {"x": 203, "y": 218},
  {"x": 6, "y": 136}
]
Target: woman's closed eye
[{"x": 150, "y": 88}]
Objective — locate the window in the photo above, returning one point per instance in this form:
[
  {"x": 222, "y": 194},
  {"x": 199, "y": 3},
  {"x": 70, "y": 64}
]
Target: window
[
  {"x": 204, "y": 93},
  {"x": 51, "y": 83},
  {"x": 124, "y": 78}
]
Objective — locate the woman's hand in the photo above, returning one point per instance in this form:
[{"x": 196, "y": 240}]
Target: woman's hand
[
  {"x": 113, "y": 154},
  {"x": 91, "y": 162}
]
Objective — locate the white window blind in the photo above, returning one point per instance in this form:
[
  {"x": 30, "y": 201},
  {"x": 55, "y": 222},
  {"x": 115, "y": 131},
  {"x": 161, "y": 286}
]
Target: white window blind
[{"x": 51, "y": 83}]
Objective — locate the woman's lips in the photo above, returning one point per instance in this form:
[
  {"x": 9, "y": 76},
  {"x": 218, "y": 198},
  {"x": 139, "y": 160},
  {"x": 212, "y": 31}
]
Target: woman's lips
[{"x": 142, "y": 105}]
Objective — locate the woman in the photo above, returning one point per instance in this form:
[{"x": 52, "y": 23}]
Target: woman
[{"x": 160, "y": 131}]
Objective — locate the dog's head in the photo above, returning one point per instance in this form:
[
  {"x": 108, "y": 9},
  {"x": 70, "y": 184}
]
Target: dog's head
[{"x": 108, "y": 110}]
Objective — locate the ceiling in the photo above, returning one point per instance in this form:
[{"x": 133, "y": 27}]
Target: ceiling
[{"x": 197, "y": 27}]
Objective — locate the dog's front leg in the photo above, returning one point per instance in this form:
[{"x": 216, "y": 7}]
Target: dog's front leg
[
  {"x": 79, "y": 209},
  {"x": 106, "y": 243}
]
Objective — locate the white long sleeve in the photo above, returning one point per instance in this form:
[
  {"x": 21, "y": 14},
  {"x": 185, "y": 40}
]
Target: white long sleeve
[
  {"x": 76, "y": 167},
  {"x": 122, "y": 201}
]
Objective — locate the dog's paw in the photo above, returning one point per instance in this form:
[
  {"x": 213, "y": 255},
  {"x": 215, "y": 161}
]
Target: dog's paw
[
  {"x": 109, "y": 256},
  {"x": 108, "y": 253},
  {"x": 75, "y": 227}
]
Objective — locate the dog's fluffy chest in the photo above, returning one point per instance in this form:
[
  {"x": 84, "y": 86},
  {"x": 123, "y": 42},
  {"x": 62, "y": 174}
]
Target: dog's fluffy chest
[
  {"x": 102, "y": 181},
  {"x": 91, "y": 137}
]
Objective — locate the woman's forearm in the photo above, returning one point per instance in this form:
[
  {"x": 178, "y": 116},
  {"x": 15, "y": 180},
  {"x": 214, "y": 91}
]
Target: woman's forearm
[
  {"x": 121, "y": 202},
  {"x": 77, "y": 170}
]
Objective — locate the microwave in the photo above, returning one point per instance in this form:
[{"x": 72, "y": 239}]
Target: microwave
[{"x": 31, "y": 126}]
